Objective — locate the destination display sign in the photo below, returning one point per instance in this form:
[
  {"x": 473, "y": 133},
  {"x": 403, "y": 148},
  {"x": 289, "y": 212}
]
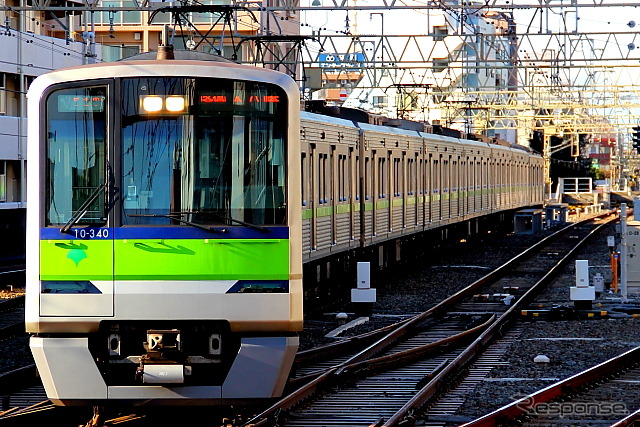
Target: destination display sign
[
  {"x": 76, "y": 103},
  {"x": 209, "y": 101}
]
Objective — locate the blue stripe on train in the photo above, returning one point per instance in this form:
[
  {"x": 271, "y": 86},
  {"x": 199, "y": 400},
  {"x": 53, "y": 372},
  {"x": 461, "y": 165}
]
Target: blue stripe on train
[{"x": 98, "y": 233}]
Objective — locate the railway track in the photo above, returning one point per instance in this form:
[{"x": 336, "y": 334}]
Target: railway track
[
  {"x": 390, "y": 375},
  {"x": 415, "y": 361}
]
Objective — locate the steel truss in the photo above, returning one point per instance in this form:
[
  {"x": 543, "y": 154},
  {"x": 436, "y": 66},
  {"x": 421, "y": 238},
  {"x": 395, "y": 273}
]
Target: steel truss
[{"x": 585, "y": 77}]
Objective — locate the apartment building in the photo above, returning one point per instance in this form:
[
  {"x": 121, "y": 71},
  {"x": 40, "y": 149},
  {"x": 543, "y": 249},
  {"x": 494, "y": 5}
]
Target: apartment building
[
  {"x": 26, "y": 53},
  {"x": 69, "y": 34}
]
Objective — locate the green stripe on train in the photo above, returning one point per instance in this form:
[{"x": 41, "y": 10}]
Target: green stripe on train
[
  {"x": 156, "y": 259},
  {"x": 396, "y": 202}
]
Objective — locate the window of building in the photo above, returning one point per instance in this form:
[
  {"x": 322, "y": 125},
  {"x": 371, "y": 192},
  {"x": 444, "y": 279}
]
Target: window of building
[
  {"x": 113, "y": 17},
  {"x": 380, "y": 101},
  {"x": 3, "y": 94},
  {"x": 10, "y": 93},
  {"x": 116, "y": 52}
]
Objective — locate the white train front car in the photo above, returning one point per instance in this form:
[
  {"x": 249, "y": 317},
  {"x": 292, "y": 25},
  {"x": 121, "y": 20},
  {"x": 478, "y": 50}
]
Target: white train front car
[{"x": 164, "y": 252}]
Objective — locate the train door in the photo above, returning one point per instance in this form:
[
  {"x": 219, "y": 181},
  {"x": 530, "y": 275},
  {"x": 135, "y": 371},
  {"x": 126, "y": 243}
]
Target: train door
[
  {"x": 368, "y": 212},
  {"x": 342, "y": 200},
  {"x": 324, "y": 228},
  {"x": 313, "y": 197},
  {"x": 77, "y": 234},
  {"x": 397, "y": 196},
  {"x": 436, "y": 212},
  {"x": 465, "y": 185},
  {"x": 445, "y": 186},
  {"x": 382, "y": 195},
  {"x": 455, "y": 186},
  {"x": 307, "y": 199},
  {"x": 427, "y": 188},
  {"x": 475, "y": 181},
  {"x": 421, "y": 180},
  {"x": 411, "y": 202},
  {"x": 375, "y": 191},
  {"x": 352, "y": 191},
  {"x": 333, "y": 201},
  {"x": 500, "y": 183},
  {"x": 484, "y": 184},
  {"x": 449, "y": 179}
]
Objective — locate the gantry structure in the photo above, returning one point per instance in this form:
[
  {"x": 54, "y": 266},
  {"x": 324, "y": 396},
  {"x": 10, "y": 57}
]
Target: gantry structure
[{"x": 508, "y": 69}]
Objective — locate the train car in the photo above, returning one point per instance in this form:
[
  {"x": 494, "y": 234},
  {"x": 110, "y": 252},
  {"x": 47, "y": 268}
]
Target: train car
[
  {"x": 366, "y": 184},
  {"x": 164, "y": 261}
]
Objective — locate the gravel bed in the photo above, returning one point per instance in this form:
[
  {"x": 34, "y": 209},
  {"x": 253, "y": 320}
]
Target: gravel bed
[
  {"x": 571, "y": 345},
  {"x": 417, "y": 287},
  {"x": 15, "y": 353}
]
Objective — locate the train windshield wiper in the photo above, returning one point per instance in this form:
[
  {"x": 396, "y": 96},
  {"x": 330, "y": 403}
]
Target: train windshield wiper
[
  {"x": 176, "y": 217},
  {"x": 225, "y": 218},
  {"x": 84, "y": 208}
]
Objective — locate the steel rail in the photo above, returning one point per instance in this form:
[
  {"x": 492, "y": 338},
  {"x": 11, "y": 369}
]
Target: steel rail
[
  {"x": 355, "y": 366},
  {"x": 629, "y": 420}
]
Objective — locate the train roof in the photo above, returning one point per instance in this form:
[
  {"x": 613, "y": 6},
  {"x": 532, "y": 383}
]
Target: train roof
[
  {"x": 373, "y": 122},
  {"x": 181, "y": 55},
  {"x": 150, "y": 66},
  {"x": 327, "y": 119}
]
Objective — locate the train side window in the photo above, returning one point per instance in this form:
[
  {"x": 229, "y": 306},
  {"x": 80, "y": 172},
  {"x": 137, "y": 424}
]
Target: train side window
[
  {"x": 381, "y": 177},
  {"x": 325, "y": 178},
  {"x": 423, "y": 173},
  {"x": 321, "y": 178},
  {"x": 357, "y": 173},
  {"x": 446, "y": 171},
  {"x": 303, "y": 177},
  {"x": 396, "y": 177},
  {"x": 342, "y": 177},
  {"x": 348, "y": 176},
  {"x": 367, "y": 174},
  {"x": 411, "y": 164}
]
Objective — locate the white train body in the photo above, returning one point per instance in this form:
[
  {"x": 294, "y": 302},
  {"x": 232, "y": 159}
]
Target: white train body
[{"x": 180, "y": 280}]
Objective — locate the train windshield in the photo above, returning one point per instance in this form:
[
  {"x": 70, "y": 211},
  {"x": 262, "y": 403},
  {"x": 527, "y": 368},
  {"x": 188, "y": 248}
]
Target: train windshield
[{"x": 204, "y": 151}]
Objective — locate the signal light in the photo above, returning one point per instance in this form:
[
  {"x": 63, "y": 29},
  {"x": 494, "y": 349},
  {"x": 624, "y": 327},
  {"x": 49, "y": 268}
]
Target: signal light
[{"x": 635, "y": 138}]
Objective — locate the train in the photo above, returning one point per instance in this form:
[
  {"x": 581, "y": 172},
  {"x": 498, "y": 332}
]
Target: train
[
  {"x": 368, "y": 180},
  {"x": 174, "y": 202}
]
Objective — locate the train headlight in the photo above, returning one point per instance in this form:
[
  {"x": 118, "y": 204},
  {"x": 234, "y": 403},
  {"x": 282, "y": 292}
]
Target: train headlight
[
  {"x": 152, "y": 104},
  {"x": 175, "y": 104}
]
